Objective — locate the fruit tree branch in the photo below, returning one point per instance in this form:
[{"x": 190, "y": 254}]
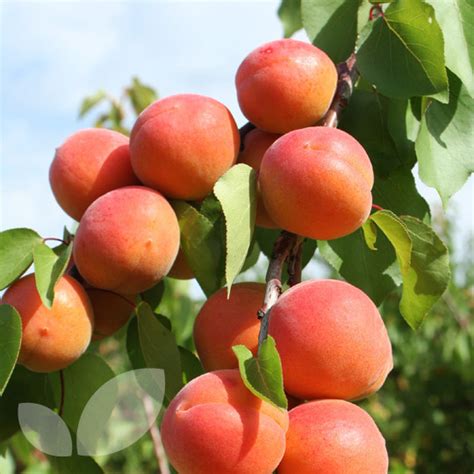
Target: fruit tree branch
[{"x": 288, "y": 246}]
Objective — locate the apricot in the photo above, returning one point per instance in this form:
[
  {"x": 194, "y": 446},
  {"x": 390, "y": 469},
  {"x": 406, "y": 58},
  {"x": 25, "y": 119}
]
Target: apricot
[
  {"x": 127, "y": 240},
  {"x": 333, "y": 436},
  {"x": 215, "y": 425},
  {"x": 183, "y": 144},
  {"x": 316, "y": 182},
  {"x": 52, "y": 338},
  {"x": 111, "y": 311},
  {"x": 223, "y": 323},
  {"x": 331, "y": 340},
  {"x": 87, "y": 165},
  {"x": 181, "y": 269},
  {"x": 256, "y": 143},
  {"x": 285, "y": 84}
]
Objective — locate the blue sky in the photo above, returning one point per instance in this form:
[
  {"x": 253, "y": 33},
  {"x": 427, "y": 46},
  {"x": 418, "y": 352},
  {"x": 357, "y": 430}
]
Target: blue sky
[{"x": 55, "y": 53}]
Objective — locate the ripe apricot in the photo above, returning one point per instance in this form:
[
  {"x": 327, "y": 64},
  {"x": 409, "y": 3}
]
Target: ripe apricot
[
  {"x": 87, "y": 165},
  {"x": 223, "y": 323},
  {"x": 111, "y": 311},
  {"x": 181, "y": 269},
  {"x": 52, "y": 338},
  {"x": 127, "y": 240},
  {"x": 256, "y": 143},
  {"x": 215, "y": 425},
  {"x": 182, "y": 144},
  {"x": 316, "y": 182},
  {"x": 333, "y": 436},
  {"x": 331, "y": 340},
  {"x": 285, "y": 84}
]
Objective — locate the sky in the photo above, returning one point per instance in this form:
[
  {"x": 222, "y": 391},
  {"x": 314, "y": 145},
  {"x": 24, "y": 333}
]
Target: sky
[{"x": 53, "y": 54}]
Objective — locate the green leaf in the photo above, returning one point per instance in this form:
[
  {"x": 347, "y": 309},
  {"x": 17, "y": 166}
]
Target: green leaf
[
  {"x": 24, "y": 386},
  {"x": 397, "y": 234},
  {"x": 50, "y": 265},
  {"x": 445, "y": 142},
  {"x": 262, "y": 375},
  {"x": 141, "y": 96},
  {"x": 331, "y": 25},
  {"x": 159, "y": 349},
  {"x": 134, "y": 350},
  {"x": 403, "y": 52},
  {"x": 370, "y": 234},
  {"x": 428, "y": 275},
  {"x": 398, "y": 193},
  {"x": 154, "y": 295},
  {"x": 90, "y": 102},
  {"x": 236, "y": 190},
  {"x": 456, "y": 18},
  {"x": 190, "y": 364},
  {"x": 369, "y": 270},
  {"x": 10, "y": 342},
  {"x": 203, "y": 244},
  {"x": 16, "y": 253},
  {"x": 81, "y": 380},
  {"x": 290, "y": 15},
  {"x": 74, "y": 464}
]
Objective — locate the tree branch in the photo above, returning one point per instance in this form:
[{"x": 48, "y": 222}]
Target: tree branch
[{"x": 288, "y": 246}]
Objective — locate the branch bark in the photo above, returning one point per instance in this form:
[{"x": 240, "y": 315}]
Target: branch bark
[{"x": 288, "y": 246}]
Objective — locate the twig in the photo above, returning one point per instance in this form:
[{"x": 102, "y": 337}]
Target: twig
[
  {"x": 63, "y": 393},
  {"x": 288, "y": 247},
  {"x": 155, "y": 436},
  {"x": 248, "y": 127}
]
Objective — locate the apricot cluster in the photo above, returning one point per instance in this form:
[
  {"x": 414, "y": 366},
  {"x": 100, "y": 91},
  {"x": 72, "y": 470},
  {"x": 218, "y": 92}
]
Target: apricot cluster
[{"x": 334, "y": 348}]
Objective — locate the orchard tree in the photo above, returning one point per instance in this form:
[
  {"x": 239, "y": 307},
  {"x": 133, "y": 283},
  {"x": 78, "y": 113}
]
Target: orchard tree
[{"x": 264, "y": 376}]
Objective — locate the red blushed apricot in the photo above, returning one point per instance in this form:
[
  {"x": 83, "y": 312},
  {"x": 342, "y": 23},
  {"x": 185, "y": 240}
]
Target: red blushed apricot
[
  {"x": 127, "y": 240},
  {"x": 181, "y": 269},
  {"x": 183, "y": 144},
  {"x": 87, "y": 165},
  {"x": 111, "y": 311},
  {"x": 285, "y": 84},
  {"x": 331, "y": 340},
  {"x": 316, "y": 182},
  {"x": 223, "y": 323},
  {"x": 256, "y": 143},
  {"x": 333, "y": 436},
  {"x": 215, "y": 425},
  {"x": 52, "y": 338}
]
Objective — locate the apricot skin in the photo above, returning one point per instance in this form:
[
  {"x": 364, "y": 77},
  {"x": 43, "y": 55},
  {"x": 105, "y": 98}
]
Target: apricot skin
[
  {"x": 87, "y": 165},
  {"x": 333, "y": 436},
  {"x": 215, "y": 425},
  {"x": 111, "y": 311},
  {"x": 183, "y": 144},
  {"x": 127, "y": 240},
  {"x": 285, "y": 84},
  {"x": 52, "y": 338},
  {"x": 316, "y": 182},
  {"x": 223, "y": 323},
  {"x": 256, "y": 143},
  {"x": 331, "y": 340}
]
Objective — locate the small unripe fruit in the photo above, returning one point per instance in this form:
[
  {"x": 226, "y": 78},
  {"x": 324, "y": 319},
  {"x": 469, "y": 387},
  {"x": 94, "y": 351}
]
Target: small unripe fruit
[
  {"x": 331, "y": 340},
  {"x": 111, "y": 311},
  {"x": 87, "y": 165},
  {"x": 333, "y": 436},
  {"x": 316, "y": 182},
  {"x": 256, "y": 143},
  {"x": 215, "y": 425},
  {"x": 127, "y": 240},
  {"x": 285, "y": 84},
  {"x": 223, "y": 323},
  {"x": 183, "y": 144},
  {"x": 52, "y": 338}
]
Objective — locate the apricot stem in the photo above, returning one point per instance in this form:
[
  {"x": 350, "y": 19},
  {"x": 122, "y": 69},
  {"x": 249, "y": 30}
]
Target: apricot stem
[{"x": 288, "y": 246}]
